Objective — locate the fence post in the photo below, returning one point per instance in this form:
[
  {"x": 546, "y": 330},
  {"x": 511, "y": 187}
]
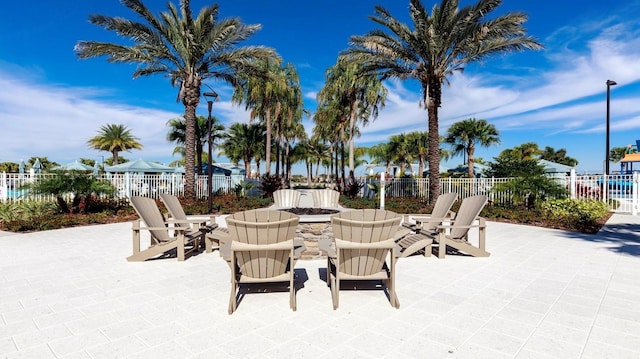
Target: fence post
[
  {"x": 382, "y": 179},
  {"x": 127, "y": 184},
  {"x": 3, "y": 186},
  {"x": 572, "y": 183},
  {"x": 634, "y": 194}
]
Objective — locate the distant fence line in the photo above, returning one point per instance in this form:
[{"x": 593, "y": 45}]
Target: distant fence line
[{"x": 623, "y": 189}]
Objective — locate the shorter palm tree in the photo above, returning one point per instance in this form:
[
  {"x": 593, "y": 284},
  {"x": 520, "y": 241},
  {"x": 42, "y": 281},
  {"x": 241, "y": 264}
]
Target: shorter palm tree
[
  {"x": 466, "y": 134},
  {"x": 114, "y": 139}
]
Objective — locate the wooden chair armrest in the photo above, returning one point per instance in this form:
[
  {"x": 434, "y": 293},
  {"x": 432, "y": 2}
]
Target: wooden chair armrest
[
  {"x": 388, "y": 244},
  {"x": 238, "y": 246},
  {"x": 324, "y": 245}
]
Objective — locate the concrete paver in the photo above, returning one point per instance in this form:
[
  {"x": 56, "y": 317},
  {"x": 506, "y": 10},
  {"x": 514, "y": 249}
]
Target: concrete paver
[{"x": 542, "y": 293}]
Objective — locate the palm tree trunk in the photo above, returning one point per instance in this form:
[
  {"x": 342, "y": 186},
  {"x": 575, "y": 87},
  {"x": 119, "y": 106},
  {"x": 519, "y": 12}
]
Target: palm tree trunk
[
  {"x": 191, "y": 99},
  {"x": 268, "y": 153},
  {"x": 352, "y": 125},
  {"x": 470, "y": 151},
  {"x": 432, "y": 92}
]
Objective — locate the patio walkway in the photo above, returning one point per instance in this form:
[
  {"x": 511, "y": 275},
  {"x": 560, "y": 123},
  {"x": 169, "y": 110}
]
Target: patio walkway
[{"x": 543, "y": 293}]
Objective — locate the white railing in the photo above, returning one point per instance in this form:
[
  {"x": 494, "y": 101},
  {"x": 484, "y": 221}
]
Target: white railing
[
  {"x": 619, "y": 194},
  {"x": 12, "y": 185}
]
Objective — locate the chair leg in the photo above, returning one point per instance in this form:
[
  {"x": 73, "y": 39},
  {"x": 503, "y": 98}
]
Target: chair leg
[
  {"x": 442, "y": 246},
  {"x": 292, "y": 292},
  {"x": 180, "y": 247},
  {"x": 335, "y": 291}
]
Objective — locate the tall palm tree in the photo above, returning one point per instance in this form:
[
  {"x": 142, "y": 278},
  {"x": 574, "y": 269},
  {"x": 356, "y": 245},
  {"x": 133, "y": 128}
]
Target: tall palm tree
[
  {"x": 262, "y": 93},
  {"x": 362, "y": 93},
  {"x": 438, "y": 45},
  {"x": 463, "y": 137},
  {"x": 178, "y": 134},
  {"x": 187, "y": 49},
  {"x": 115, "y": 139}
]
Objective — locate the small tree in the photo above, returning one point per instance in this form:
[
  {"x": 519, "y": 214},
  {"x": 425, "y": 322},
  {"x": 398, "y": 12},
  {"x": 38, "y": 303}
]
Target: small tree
[{"x": 82, "y": 187}]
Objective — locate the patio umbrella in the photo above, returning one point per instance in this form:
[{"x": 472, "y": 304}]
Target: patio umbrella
[
  {"x": 96, "y": 169},
  {"x": 21, "y": 167},
  {"x": 37, "y": 166}
]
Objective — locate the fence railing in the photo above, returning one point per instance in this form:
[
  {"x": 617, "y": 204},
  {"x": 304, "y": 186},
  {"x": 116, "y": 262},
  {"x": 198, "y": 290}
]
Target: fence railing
[
  {"x": 620, "y": 192},
  {"x": 12, "y": 185}
]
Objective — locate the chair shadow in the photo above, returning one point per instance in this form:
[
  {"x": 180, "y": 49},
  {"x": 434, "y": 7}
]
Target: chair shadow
[
  {"x": 300, "y": 277},
  {"x": 356, "y": 285}
]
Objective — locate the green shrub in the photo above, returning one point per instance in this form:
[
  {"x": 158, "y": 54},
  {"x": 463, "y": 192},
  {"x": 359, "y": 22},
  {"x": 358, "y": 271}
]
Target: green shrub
[{"x": 575, "y": 210}]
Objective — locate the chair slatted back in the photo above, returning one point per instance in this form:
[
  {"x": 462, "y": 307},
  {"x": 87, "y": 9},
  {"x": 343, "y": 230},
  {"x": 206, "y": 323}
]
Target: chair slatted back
[
  {"x": 175, "y": 208},
  {"x": 286, "y": 198},
  {"x": 469, "y": 211},
  {"x": 440, "y": 210},
  {"x": 263, "y": 227},
  {"x": 364, "y": 226},
  {"x": 148, "y": 211},
  {"x": 325, "y": 198}
]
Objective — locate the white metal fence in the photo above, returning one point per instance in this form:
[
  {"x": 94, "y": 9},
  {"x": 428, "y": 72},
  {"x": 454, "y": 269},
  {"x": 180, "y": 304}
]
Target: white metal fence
[
  {"x": 621, "y": 192},
  {"x": 12, "y": 185}
]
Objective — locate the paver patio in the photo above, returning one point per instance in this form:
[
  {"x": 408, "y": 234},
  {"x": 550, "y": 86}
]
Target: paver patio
[{"x": 542, "y": 293}]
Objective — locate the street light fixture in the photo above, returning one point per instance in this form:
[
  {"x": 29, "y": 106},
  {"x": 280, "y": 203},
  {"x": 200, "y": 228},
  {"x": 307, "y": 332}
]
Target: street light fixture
[
  {"x": 606, "y": 159},
  {"x": 210, "y": 96}
]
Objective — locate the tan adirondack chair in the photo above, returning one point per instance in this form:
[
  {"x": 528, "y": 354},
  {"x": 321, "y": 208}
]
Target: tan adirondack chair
[
  {"x": 262, "y": 250},
  {"x": 286, "y": 198},
  {"x": 184, "y": 240},
  {"x": 363, "y": 241},
  {"x": 325, "y": 198},
  {"x": 179, "y": 217},
  {"x": 456, "y": 234},
  {"x": 418, "y": 229}
]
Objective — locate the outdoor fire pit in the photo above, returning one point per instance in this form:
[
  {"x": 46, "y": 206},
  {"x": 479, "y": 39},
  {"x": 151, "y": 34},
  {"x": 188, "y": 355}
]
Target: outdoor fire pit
[{"x": 310, "y": 211}]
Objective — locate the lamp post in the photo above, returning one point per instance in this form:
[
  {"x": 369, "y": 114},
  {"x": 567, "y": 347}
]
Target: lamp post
[
  {"x": 210, "y": 96},
  {"x": 606, "y": 158}
]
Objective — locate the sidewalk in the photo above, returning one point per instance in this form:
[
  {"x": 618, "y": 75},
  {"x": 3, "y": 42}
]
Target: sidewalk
[{"x": 542, "y": 293}]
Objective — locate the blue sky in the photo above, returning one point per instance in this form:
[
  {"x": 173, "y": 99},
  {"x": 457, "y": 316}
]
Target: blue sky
[{"x": 52, "y": 102}]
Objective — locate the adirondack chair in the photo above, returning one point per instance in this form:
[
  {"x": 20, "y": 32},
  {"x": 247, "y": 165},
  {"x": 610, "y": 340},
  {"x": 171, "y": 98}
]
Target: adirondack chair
[
  {"x": 262, "y": 250},
  {"x": 418, "y": 229},
  {"x": 286, "y": 198},
  {"x": 325, "y": 198},
  {"x": 178, "y": 216},
  {"x": 363, "y": 241},
  {"x": 456, "y": 234},
  {"x": 184, "y": 240}
]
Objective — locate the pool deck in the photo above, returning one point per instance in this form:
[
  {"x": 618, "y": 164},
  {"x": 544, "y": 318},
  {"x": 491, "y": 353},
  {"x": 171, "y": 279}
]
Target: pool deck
[{"x": 542, "y": 293}]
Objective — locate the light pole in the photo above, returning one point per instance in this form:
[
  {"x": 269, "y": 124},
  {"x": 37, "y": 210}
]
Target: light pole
[
  {"x": 606, "y": 158},
  {"x": 210, "y": 96}
]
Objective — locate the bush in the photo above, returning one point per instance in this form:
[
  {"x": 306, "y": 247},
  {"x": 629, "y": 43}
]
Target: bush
[
  {"x": 270, "y": 184},
  {"x": 575, "y": 210}
]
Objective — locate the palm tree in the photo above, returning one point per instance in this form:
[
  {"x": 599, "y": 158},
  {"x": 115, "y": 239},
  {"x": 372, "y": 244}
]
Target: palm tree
[
  {"x": 361, "y": 92},
  {"x": 115, "y": 139},
  {"x": 439, "y": 45},
  {"x": 187, "y": 49},
  {"x": 262, "y": 94},
  {"x": 463, "y": 137},
  {"x": 242, "y": 142},
  {"x": 400, "y": 149},
  {"x": 418, "y": 143},
  {"x": 559, "y": 156},
  {"x": 178, "y": 134}
]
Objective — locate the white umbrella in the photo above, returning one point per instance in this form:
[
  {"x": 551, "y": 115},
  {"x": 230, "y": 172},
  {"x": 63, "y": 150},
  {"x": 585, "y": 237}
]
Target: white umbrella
[{"x": 37, "y": 166}]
